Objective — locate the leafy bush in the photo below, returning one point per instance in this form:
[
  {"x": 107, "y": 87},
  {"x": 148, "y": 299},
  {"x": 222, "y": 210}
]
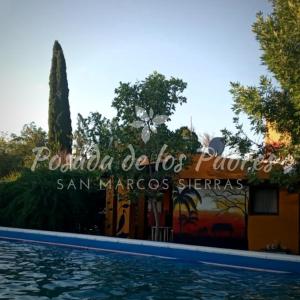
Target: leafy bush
[
  {"x": 16, "y": 150},
  {"x": 33, "y": 200}
]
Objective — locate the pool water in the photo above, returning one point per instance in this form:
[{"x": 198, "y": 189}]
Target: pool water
[{"x": 32, "y": 271}]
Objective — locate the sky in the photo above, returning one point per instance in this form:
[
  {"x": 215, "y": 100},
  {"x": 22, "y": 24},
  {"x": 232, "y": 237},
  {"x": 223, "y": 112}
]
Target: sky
[{"x": 207, "y": 43}]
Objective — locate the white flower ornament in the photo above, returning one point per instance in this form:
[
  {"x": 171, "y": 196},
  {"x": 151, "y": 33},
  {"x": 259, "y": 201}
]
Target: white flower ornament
[{"x": 148, "y": 122}]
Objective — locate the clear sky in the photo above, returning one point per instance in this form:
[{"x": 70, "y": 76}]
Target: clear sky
[{"x": 207, "y": 43}]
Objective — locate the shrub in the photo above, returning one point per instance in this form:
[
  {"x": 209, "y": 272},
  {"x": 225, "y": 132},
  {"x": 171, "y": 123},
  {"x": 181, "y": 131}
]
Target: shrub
[{"x": 33, "y": 200}]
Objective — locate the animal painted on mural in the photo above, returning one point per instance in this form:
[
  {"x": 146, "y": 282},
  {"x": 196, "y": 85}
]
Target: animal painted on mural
[
  {"x": 122, "y": 226},
  {"x": 203, "y": 231},
  {"x": 218, "y": 219},
  {"x": 221, "y": 229}
]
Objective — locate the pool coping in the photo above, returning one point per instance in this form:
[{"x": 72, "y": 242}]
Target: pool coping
[{"x": 242, "y": 259}]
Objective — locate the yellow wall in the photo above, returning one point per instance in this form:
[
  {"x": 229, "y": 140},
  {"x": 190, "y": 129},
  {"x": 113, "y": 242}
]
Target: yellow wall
[
  {"x": 282, "y": 228},
  {"x": 273, "y": 136},
  {"x": 262, "y": 229},
  {"x": 109, "y": 217},
  {"x": 203, "y": 166}
]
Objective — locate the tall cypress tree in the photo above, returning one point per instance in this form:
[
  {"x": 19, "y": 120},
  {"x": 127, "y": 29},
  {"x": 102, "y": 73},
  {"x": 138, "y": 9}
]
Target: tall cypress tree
[{"x": 59, "y": 119}]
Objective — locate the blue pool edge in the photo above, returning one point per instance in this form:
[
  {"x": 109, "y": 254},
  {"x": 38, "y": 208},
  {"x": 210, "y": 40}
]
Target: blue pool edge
[{"x": 241, "y": 259}]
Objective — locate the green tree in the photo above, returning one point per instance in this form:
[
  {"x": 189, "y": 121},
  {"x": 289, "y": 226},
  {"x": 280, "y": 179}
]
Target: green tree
[
  {"x": 279, "y": 38},
  {"x": 268, "y": 103},
  {"x": 143, "y": 108},
  {"x": 59, "y": 119},
  {"x": 139, "y": 130},
  {"x": 16, "y": 150},
  {"x": 190, "y": 139},
  {"x": 155, "y": 93},
  {"x": 92, "y": 130}
]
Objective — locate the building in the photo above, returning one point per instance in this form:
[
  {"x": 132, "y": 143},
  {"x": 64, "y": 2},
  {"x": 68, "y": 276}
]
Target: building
[{"x": 213, "y": 204}]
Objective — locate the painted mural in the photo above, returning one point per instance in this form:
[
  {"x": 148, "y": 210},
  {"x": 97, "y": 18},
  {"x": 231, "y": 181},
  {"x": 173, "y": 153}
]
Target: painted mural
[
  {"x": 123, "y": 215},
  {"x": 213, "y": 217}
]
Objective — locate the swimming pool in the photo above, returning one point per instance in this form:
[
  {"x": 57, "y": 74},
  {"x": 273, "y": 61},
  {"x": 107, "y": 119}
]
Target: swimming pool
[
  {"x": 32, "y": 271},
  {"x": 271, "y": 262}
]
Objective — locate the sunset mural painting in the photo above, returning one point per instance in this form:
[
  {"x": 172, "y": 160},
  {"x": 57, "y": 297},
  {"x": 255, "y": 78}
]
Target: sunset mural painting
[{"x": 211, "y": 217}]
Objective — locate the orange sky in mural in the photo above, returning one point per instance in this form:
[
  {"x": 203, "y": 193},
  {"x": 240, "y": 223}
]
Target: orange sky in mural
[{"x": 207, "y": 219}]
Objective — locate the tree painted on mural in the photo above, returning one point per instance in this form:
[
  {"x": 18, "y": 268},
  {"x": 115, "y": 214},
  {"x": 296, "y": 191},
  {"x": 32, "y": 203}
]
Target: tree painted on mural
[
  {"x": 231, "y": 200},
  {"x": 187, "y": 198},
  {"x": 278, "y": 104},
  {"x": 59, "y": 119}
]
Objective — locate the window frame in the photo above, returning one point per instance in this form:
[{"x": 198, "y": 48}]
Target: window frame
[{"x": 252, "y": 191}]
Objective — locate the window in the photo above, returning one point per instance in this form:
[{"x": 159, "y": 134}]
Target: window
[{"x": 264, "y": 200}]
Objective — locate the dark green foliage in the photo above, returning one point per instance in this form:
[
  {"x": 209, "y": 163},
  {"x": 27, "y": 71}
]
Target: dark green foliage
[
  {"x": 59, "y": 119},
  {"x": 16, "y": 150},
  {"x": 33, "y": 200},
  {"x": 142, "y": 103},
  {"x": 155, "y": 92},
  {"x": 187, "y": 139},
  {"x": 92, "y": 130},
  {"x": 143, "y": 109},
  {"x": 279, "y": 37}
]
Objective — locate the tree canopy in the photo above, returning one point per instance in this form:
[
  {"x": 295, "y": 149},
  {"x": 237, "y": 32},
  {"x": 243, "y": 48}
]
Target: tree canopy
[
  {"x": 16, "y": 150},
  {"x": 59, "y": 119},
  {"x": 140, "y": 133},
  {"x": 274, "y": 102},
  {"x": 154, "y": 93}
]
